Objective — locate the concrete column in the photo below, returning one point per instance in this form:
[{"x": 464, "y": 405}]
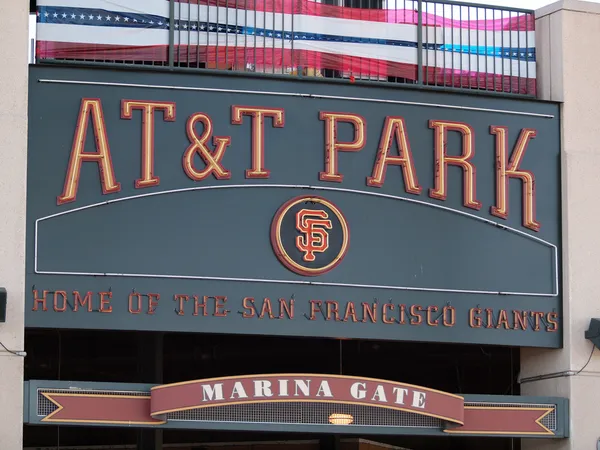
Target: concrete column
[
  {"x": 14, "y": 39},
  {"x": 568, "y": 35}
]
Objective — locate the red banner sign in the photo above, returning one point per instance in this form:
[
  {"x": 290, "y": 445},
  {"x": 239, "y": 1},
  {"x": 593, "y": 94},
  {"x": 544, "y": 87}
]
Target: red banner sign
[{"x": 151, "y": 409}]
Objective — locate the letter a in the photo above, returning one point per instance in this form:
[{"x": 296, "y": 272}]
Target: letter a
[{"x": 89, "y": 107}]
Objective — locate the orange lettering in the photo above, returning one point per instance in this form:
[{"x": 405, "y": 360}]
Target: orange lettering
[
  {"x": 138, "y": 308},
  {"x": 443, "y": 160},
  {"x": 89, "y": 107},
  {"x": 179, "y": 298},
  {"x": 258, "y": 134},
  {"x": 198, "y": 146},
  {"x": 220, "y": 310},
  {"x": 87, "y": 300},
  {"x": 395, "y": 127},
  {"x": 520, "y": 320},
  {"x": 147, "y": 107},
  {"x": 249, "y": 309},
  {"x": 40, "y": 301},
  {"x": 105, "y": 298},
  {"x": 286, "y": 309},
  {"x": 332, "y": 146},
  {"x": 63, "y": 306},
  {"x": 552, "y": 319},
  {"x": 198, "y": 305},
  {"x": 505, "y": 171},
  {"x": 153, "y": 302}
]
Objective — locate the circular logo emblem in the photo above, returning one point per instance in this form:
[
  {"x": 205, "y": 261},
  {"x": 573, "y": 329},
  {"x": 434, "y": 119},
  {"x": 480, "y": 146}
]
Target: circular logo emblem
[{"x": 310, "y": 235}]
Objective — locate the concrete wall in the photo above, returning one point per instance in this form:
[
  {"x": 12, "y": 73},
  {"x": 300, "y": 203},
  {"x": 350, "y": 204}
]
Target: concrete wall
[
  {"x": 567, "y": 34},
  {"x": 13, "y": 151}
]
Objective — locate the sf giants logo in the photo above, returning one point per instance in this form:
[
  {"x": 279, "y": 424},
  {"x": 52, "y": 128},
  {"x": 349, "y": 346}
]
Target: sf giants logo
[{"x": 313, "y": 224}]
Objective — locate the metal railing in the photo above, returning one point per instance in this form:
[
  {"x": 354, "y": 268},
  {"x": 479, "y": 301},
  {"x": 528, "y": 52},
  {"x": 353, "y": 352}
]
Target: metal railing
[{"x": 429, "y": 43}]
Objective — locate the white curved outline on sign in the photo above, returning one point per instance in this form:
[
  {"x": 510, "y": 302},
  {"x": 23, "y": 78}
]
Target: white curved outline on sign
[{"x": 317, "y": 283}]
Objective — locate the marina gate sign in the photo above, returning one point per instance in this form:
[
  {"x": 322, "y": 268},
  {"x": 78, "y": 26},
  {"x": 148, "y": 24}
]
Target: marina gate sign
[{"x": 178, "y": 203}]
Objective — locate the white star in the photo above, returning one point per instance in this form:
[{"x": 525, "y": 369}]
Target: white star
[
  {"x": 46, "y": 14},
  {"x": 82, "y": 16},
  {"x": 176, "y": 25},
  {"x": 193, "y": 27},
  {"x": 134, "y": 20},
  {"x": 160, "y": 23},
  {"x": 99, "y": 17},
  {"x": 203, "y": 27},
  {"x": 64, "y": 16},
  {"x": 117, "y": 19},
  {"x": 91, "y": 17},
  {"x": 73, "y": 16},
  {"x": 185, "y": 26},
  {"x": 151, "y": 22},
  {"x": 108, "y": 18},
  {"x": 126, "y": 19}
]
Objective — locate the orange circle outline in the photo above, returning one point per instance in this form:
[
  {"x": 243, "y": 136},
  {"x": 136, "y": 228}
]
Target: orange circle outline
[{"x": 282, "y": 254}]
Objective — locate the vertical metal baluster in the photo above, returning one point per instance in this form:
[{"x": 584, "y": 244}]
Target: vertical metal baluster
[
  {"x": 236, "y": 29},
  {"x": 419, "y": 42},
  {"x": 226, "y": 34},
  {"x": 207, "y": 52},
  {"x": 460, "y": 46},
  {"x": 294, "y": 62},
  {"x": 477, "y": 75},
  {"x": 425, "y": 45},
  {"x": 245, "y": 35},
  {"x": 255, "y": 34},
  {"x": 452, "y": 44},
  {"x": 282, "y": 37},
  {"x": 273, "y": 40},
  {"x": 367, "y": 66},
  {"x": 502, "y": 49},
  {"x": 217, "y": 25},
  {"x": 189, "y": 33},
  {"x": 436, "y": 72},
  {"x": 264, "y": 36},
  {"x": 179, "y": 37},
  {"x": 445, "y": 50},
  {"x": 470, "y": 53},
  {"x": 493, "y": 48},
  {"x": 527, "y": 17},
  {"x": 390, "y": 64},
  {"x": 518, "y": 54},
  {"x": 171, "y": 32},
  {"x": 198, "y": 37}
]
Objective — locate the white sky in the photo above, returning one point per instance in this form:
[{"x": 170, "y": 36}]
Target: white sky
[{"x": 527, "y": 4}]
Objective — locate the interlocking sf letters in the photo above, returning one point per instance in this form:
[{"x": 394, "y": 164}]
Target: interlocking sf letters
[{"x": 203, "y": 158}]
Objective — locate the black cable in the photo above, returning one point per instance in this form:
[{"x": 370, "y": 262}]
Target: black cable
[
  {"x": 561, "y": 374},
  {"x": 9, "y": 351},
  {"x": 588, "y": 361}
]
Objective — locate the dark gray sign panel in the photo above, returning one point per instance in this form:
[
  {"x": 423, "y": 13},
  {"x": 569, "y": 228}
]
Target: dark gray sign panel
[{"x": 229, "y": 204}]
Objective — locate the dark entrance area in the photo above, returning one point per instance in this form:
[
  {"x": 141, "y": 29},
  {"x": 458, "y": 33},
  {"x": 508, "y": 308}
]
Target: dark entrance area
[{"x": 137, "y": 357}]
